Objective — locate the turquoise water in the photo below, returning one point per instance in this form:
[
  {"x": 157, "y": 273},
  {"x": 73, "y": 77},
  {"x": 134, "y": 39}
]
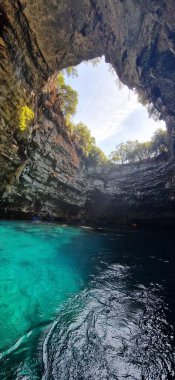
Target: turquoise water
[
  {"x": 84, "y": 304},
  {"x": 37, "y": 275}
]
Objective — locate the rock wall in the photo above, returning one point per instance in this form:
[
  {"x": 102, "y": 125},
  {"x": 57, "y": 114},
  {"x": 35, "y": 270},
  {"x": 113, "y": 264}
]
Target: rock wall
[
  {"x": 43, "y": 173},
  {"x": 140, "y": 194},
  {"x": 136, "y": 36},
  {"x": 49, "y": 180}
]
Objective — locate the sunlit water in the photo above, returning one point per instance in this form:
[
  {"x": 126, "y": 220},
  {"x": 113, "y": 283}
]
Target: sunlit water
[{"x": 86, "y": 305}]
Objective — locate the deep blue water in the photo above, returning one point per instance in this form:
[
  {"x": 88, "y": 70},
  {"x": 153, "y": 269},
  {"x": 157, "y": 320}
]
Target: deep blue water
[{"x": 82, "y": 304}]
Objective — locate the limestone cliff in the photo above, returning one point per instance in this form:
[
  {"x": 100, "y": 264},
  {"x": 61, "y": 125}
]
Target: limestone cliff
[
  {"x": 43, "y": 173},
  {"x": 49, "y": 181},
  {"x": 140, "y": 193}
]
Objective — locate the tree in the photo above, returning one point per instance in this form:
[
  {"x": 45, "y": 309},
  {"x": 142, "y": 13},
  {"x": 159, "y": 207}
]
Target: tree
[
  {"x": 97, "y": 155},
  {"x": 68, "y": 98},
  {"x": 71, "y": 71},
  {"x": 159, "y": 142},
  {"x": 119, "y": 154},
  {"x": 143, "y": 150},
  {"x": 152, "y": 111},
  {"x": 87, "y": 144},
  {"x": 134, "y": 151},
  {"x": 80, "y": 132},
  {"x": 83, "y": 136},
  {"x": 131, "y": 151},
  {"x": 94, "y": 61}
]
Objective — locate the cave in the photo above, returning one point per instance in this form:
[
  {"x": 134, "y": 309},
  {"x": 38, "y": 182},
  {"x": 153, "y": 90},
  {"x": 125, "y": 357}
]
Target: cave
[
  {"x": 86, "y": 250},
  {"x": 137, "y": 41}
]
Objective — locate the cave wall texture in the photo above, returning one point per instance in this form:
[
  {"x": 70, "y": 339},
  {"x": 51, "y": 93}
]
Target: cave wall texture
[{"x": 42, "y": 173}]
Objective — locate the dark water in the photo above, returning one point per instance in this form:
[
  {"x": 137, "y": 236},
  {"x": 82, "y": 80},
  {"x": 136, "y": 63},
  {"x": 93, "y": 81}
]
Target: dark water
[{"x": 79, "y": 304}]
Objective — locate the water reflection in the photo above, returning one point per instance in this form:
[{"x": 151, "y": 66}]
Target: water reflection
[
  {"x": 117, "y": 331},
  {"x": 83, "y": 304}
]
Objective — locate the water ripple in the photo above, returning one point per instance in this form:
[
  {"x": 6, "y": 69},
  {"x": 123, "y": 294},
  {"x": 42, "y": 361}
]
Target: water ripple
[{"x": 111, "y": 331}]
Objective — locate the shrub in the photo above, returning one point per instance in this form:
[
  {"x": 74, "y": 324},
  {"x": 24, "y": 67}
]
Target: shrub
[{"x": 26, "y": 116}]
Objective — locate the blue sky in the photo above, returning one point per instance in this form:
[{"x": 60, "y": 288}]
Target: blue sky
[{"x": 113, "y": 115}]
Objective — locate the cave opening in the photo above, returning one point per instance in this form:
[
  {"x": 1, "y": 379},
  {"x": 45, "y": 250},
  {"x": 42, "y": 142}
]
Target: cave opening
[
  {"x": 131, "y": 40},
  {"x": 87, "y": 273},
  {"x": 113, "y": 113}
]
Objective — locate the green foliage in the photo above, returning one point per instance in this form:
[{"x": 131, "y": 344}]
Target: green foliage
[
  {"x": 97, "y": 155},
  {"x": 119, "y": 154},
  {"x": 25, "y": 117},
  {"x": 84, "y": 138},
  {"x": 94, "y": 62},
  {"x": 68, "y": 98},
  {"x": 71, "y": 71},
  {"x": 135, "y": 151},
  {"x": 141, "y": 98},
  {"x": 159, "y": 142},
  {"x": 80, "y": 132},
  {"x": 152, "y": 112},
  {"x": 87, "y": 143}
]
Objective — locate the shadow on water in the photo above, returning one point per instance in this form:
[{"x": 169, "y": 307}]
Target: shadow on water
[
  {"x": 79, "y": 304},
  {"x": 117, "y": 331}
]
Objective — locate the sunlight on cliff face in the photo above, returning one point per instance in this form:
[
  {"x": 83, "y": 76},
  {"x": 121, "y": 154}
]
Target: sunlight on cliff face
[{"x": 112, "y": 112}]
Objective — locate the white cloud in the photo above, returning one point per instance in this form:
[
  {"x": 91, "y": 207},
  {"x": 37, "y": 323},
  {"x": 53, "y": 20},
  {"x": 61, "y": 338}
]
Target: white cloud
[{"x": 106, "y": 110}]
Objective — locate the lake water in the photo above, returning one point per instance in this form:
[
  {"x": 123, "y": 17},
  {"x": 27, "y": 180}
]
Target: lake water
[{"x": 87, "y": 305}]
